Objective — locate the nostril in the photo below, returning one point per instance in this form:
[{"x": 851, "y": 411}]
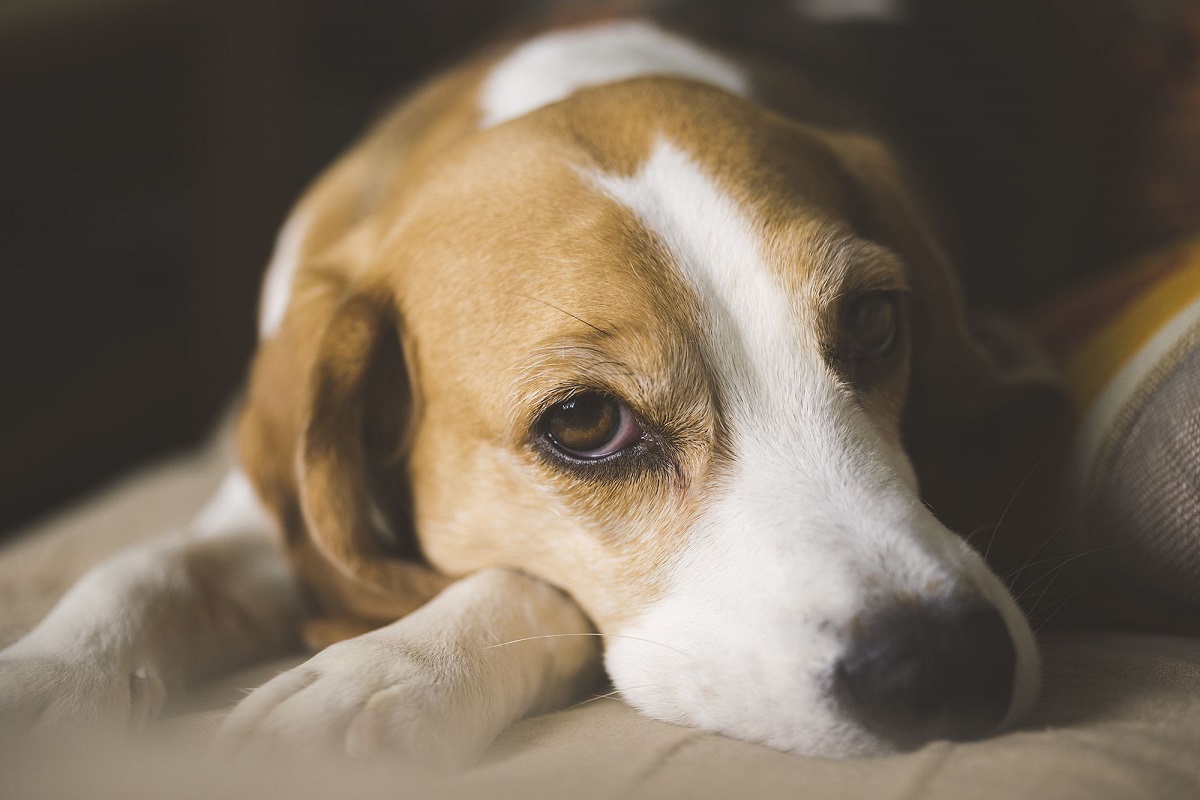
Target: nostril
[{"x": 914, "y": 674}]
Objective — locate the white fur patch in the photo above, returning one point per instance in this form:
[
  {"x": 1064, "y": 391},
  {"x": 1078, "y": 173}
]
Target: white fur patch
[
  {"x": 438, "y": 686},
  {"x": 234, "y": 508},
  {"x": 277, "y": 282},
  {"x": 552, "y": 67},
  {"x": 754, "y": 326},
  {"x": 816, "y": 508}
]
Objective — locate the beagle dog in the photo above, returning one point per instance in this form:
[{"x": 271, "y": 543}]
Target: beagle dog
[{"x": 609, "y": 348}]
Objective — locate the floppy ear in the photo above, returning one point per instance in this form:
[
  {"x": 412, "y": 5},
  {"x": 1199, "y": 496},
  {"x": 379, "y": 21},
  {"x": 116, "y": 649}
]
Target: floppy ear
[
  {"x": 321, "y": 437},
  {"x": 985, "y": 406}
]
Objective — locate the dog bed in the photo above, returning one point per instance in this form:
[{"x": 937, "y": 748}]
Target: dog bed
[{"x": 1119, "y": 715}]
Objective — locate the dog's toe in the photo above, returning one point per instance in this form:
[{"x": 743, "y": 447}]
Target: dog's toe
[
  {"x": 245, "y": 722},
  {"x": 58, "y": 694},
  {"x": 415, "y": 723},
  {"x": 360, "y": 700}
]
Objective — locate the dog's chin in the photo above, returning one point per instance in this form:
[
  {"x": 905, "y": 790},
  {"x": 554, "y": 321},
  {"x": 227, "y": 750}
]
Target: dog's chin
[
  {"x": 762, "y": 697},
  {"x": 817, "y": 732},
  {"x": 672, "y": 668}
]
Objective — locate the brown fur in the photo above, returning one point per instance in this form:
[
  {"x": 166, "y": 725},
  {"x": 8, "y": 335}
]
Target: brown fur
[{"x": 509, "y": 281}]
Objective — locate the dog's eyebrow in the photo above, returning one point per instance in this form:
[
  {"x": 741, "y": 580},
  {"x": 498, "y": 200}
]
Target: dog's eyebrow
[
  {"x": 858, "y": 264},
  {"x": 557, "y": 368},
  {"x": 849, "y": 250},
  {"x": 571, "y": 361}
]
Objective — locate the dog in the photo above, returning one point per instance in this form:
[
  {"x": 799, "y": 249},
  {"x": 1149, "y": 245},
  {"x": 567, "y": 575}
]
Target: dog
[{"x": 606, "y": 347}]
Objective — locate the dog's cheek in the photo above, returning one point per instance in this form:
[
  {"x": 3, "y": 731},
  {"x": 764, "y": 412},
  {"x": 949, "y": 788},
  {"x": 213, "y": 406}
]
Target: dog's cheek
[
  {"x": 473, "y": 519},
  {"x": 897, "y": 460},
  {"x": 654, "y": 676}
]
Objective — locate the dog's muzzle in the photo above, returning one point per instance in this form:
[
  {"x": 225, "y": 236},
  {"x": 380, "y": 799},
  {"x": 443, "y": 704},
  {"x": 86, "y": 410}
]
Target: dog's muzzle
[{"x": 920, "y": 672}]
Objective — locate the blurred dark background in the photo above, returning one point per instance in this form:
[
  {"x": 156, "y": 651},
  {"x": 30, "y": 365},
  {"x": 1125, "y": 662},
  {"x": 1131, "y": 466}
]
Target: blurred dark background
[{"x": 149, "y": 149}]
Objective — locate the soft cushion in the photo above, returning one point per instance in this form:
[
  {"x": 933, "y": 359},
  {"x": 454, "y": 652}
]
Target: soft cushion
[
  {"x": 1129, "y": 345},
  {"x": 1119, "y": 716}
]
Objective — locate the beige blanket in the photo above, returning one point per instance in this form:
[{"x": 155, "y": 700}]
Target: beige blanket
[{"x": 1119, "y": 716}]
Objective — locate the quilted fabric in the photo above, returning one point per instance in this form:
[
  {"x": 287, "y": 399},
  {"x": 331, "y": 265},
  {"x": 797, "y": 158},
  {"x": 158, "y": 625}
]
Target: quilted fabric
[
  {"x": 1148, "y": 495},
  {"x": 1130, "y": 347},
  {"x": 1119, "y": 715}
]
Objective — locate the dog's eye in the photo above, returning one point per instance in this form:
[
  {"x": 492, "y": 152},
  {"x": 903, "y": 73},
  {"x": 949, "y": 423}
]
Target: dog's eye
[
  {"x": 870, "y": 323},
  {"x": 591, "y": 426}
]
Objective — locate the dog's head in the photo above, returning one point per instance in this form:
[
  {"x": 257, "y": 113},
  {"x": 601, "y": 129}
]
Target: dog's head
[{"x": 658, "y": 347}]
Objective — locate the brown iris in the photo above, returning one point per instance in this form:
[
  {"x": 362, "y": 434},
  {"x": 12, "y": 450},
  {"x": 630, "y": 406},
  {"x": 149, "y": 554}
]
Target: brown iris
[
  {"x": 591, "y": 425},
  {"x": 870, "y": 324}
]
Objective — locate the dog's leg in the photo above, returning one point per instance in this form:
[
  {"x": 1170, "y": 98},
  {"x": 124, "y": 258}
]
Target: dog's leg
[
  {"x": 153, "y": 619},
  {"x": 438, "y": 686}
]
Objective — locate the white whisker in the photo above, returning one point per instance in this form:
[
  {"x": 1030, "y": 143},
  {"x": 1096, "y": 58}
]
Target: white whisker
[
  {"x": 1058, "y": 608},
  {"x": 1054, "y": 571},
  {"x": 613, "y": 693},
  {"x": 1012, "y": 576},
  {"x": 987, "y": 550},
  {"x": 612, "y": 635}
]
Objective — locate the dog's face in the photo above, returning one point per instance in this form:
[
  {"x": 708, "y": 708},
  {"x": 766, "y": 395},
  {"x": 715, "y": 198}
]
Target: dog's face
[{"x": 658, "y": 351}]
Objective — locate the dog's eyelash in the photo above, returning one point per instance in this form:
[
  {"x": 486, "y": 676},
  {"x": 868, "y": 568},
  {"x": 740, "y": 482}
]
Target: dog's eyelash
[
  {"x": 652, "y": 453},
  {"x": 648, "y": 456},
  {"x": 860, "y": 373}
]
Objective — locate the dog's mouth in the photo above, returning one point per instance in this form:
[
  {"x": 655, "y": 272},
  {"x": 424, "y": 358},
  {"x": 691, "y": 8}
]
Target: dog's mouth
[
  {"x": 809, "y": 663},
  {"x": 914, "y": 676}
]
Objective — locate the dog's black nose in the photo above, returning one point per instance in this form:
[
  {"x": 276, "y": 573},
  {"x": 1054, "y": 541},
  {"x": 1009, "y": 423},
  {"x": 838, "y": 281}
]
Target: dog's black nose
[{"x": 915, "y": 673}]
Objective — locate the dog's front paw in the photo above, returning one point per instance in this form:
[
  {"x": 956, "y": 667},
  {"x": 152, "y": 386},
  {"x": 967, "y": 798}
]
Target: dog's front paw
[
  {"x": 371, "y": 695},
  {"x": 45, "y": 692}
]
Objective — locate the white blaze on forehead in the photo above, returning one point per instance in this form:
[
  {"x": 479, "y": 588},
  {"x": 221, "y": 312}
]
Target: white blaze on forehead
[
  {"x": 808, "y": 468},
  {"x": 763, "y": 342},
  {"x": 554, "y": 66},
  {"x": 816, "y": 521},
  {"x": 718, "y": 251}
]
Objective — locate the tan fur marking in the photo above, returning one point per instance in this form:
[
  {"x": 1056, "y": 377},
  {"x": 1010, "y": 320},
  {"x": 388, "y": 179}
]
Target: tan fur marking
[{"x": 515, "y": 279}]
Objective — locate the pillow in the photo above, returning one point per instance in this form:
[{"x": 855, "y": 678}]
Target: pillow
[{"x": 1129, "y": 346}]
